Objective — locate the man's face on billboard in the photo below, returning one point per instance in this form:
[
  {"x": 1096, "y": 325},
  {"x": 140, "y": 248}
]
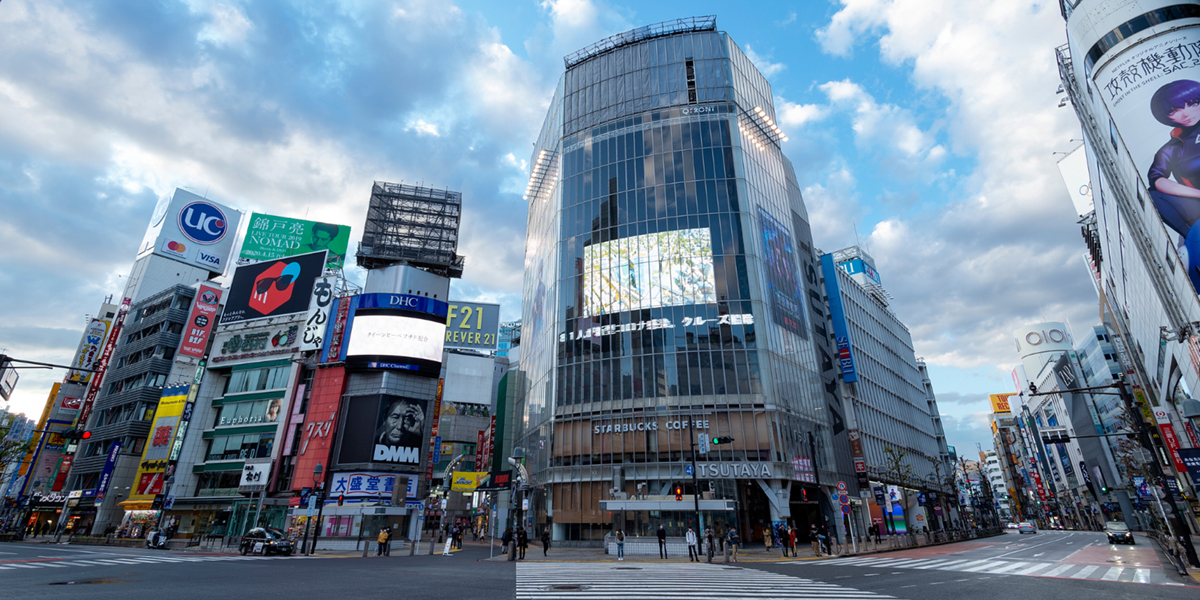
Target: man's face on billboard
[
  {"x": 321, "y": 239},
  {"x": 403, "y": 419}
]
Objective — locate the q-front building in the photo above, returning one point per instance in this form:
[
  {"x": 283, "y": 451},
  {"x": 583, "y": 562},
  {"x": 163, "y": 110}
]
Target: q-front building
[{"x": 671, "y": 295}]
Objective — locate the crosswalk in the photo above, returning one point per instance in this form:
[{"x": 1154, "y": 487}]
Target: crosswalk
[
  {"x": 547, "y": 581},
  {"x": 993, "y": 566},
  {"x": 110, "y": 560}
]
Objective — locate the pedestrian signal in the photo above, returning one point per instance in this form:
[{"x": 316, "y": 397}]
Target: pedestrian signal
[{"x": 724, "y": 439}]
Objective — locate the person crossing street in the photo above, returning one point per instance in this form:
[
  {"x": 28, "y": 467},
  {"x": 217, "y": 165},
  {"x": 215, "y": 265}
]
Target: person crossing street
[
  {"x": 662, "y": 541},
  {"x": 693, "y": 552}
]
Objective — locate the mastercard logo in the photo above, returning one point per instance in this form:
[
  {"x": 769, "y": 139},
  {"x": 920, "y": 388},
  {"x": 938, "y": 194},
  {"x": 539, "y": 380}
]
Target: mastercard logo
[{"x": 176, "y": 247}]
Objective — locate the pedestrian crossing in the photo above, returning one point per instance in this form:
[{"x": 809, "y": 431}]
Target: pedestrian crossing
[
  {"x": 598, "y": 581},
  {"x": 110, "y": 560},
  {"x": 992, "y": 566}
]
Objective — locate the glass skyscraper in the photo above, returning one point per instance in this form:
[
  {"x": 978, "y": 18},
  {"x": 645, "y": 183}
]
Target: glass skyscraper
[{"x": 671, "y": 294}]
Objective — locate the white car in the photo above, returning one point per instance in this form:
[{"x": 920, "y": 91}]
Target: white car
[{"x": 1011, "y": 526}]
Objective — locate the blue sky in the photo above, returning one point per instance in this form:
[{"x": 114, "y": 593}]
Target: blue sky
[{"x": 922, "y": 130}]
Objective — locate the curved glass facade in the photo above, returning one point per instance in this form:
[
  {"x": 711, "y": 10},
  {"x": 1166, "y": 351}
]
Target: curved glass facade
[{"x": 665, "y": 263}]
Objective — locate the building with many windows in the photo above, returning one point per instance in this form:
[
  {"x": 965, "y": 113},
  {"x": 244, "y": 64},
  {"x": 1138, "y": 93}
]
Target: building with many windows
[{"x": 670, "y": 295}]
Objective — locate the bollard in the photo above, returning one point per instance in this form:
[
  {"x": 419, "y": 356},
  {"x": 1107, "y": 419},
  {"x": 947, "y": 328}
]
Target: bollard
[
  {"x": 431, "y": 545},
  {"x": 366, "y": 546},
  {"x": 727, "y": 548},
  {"x": 412, "y": 547}
]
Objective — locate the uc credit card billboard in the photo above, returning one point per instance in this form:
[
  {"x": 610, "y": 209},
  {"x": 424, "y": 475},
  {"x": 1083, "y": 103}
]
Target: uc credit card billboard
[
  {"x": 192, "y": 230},
  {"x": 270, "y": 237}
]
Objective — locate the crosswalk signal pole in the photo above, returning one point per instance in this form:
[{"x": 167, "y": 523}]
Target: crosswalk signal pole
[{"x": 695, "y": 480}]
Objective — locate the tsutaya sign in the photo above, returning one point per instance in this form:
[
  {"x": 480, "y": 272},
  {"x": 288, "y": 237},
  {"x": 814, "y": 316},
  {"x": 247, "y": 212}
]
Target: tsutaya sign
[{"x": 743, "y": 470}]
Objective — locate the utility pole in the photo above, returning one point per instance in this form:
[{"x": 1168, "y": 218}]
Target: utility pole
[{"x": 695, "y": 480}]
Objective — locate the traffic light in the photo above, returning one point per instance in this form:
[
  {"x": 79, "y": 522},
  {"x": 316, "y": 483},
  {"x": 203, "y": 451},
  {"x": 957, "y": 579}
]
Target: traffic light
[
  {"x": 75, "y": 434},
  {"x": 341, "y": 499},
  {"x": 1055, "y": 437},
  {"x": 724, "y": 439},
  {"x": 679, "y": 492},
  {"x": 1103, "y": 489},
  {"x": 85, "y": 435}
]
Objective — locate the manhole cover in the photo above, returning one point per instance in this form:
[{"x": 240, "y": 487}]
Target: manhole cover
[
  {"x": 93, "y": 581},
  {"x": 565, "y": 588}
]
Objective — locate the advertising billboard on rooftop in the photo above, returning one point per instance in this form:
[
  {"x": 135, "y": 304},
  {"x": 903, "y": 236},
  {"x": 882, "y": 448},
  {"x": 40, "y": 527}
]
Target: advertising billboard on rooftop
[
  {"x": 273, "y": 288},
  {"x": 270, "y": 237},
  {"x": 193, "y": 230}
]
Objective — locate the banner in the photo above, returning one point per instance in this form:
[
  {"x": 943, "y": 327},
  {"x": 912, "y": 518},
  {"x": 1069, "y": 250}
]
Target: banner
[
  {"x": 200, "y": 321},
  {"x": 466, "y": 481},
  {"x": 270, "y": 237},
  {"x": 106, "y": 475},
  {"x": 101, "y": 365},
  {"x": 151, "y": 469},
  {"x": 89, "y": 351},
  {"x": 315, "y": 326}
]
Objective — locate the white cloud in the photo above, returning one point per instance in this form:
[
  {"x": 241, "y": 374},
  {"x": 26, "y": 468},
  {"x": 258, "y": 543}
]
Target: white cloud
[
  {"x": 833, "y": 209},
  {"x": 227, "y": 25},
  {"x": 420, "y": 127},
  {"x": 1002, "y": 249},
  {"x": 764, "y": 63},
  {"x": 795, "y": 115},
  {"x": 853, "y": 22}
]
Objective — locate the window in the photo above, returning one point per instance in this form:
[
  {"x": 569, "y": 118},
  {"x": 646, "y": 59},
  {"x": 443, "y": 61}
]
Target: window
[
  {"x": 254, "y": 380},
  {"x": 234, "y": 447}
]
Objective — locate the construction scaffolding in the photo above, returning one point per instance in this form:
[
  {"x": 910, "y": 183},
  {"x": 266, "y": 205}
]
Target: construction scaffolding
[{"x": 412, "y": 225}]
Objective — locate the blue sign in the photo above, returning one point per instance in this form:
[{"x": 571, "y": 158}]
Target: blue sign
[
  {"x": 404, "y": 302},
  {"x": 202, "y": 222},
  {"x": 388, "y": 365},
  {"x": 837, "y": 314},
  {"x": 688, "y": 470},
  {"x": 437, "y": 450},
  {"x": 879, "y": 496},
  {"x": 920, "y": 498},
  {"x": 106, "y": 474}
]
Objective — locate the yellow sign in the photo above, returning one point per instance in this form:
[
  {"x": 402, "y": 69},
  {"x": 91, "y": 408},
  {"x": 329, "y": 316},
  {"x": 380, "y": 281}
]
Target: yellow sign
[
  {"x": 466, "y": 481},
  {"x": 149, "y": 481},
  {"x": 1000, "y": 403}
]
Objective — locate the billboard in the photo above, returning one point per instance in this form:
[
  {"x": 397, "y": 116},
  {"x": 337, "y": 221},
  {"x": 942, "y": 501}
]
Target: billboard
[
  {"x": 1000, "y": 403},
  {"x": 1074, "y": 170},
  {"x": 88, "y": 352},
  {"x": 1152, "y": 92},
  {"x": 383, "y": 428},
  {"x": 670, "y": 268},
  {"x": 273, "y": 288},
  {"x": 315, "y": 325},
  {"x": 201, "y": 321},
  {"x": 192, "y": 230},
  {"x": 150, "y": 473},
  {"x": 396, "y": 337},
  {"x": 8, "y": 379},
  {"x": 783, "y": 279},
  {"x": 270, "y": 237},
  {"x": 472, "y": 325},
  {"x": 837, "y": 314},
  {"x": 372, "y": 485},
  {"x": 466, "y": 481}
]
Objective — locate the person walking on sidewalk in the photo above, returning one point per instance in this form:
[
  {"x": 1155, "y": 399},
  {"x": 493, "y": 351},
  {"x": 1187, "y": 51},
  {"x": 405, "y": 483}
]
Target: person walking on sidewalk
[
  {"x": 545, "y": 540},
  {"x": 620, "y": 545},
  {"x": 693, "y": 553},
  {"x": 816, "y": 542},
  {"x": 823, "y": 538},
  {"x": 506, "y": 538},
  {"x": 662, "y": 541},
  {"x": 734, "y": 541},
  {"x": 791, "y": 533},
  {"x": 708, "y": 537},
  {"x": 382, "y": 541},
  {"x": 522, "y": 542}
]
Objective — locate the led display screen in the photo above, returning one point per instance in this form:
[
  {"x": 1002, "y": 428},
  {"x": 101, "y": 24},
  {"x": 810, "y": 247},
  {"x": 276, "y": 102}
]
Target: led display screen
[
  {"x": 396, "y": 336},
  {"x": 670, "y": 268}
]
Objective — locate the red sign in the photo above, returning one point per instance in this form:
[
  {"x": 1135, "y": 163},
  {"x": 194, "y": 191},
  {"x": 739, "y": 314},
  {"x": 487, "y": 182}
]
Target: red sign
[
  {"x": 437, "y": 413},
  {"x": 1168, "y": 434},
  {"x": 200, "y": 321},
  {"x": 315, "y": 443},
  {"x": 61, "y": 477},
  {"x": 339, "y": 328},
  {"x": 101, "y": 365},
  {"x": 150, "y": 484},
  {"x": 1187, "y": 426},
  {"x": 479, "y": 450},
  {"x": 70, "y": 403}
]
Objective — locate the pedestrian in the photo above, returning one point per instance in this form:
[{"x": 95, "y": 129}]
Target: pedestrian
[
  {"x": 693, "y": 553},
  {"x": 382, "y": 540},
  {"x": 545, "y": 540},
  {"x": 506, "y": 538},
  {"x": 734, "y": 542},
  {"x": 620, "y": 545},
  {"x": 767, "y": 537},
  {"x": 823, "y": 537},
  {"x": 662, "y": 541},
  {"x": 816, "y": 542},
  {"x": 522, "y": 542},
  {"x": 792, "y": 540},
  {"x": 708, "y": 538}
]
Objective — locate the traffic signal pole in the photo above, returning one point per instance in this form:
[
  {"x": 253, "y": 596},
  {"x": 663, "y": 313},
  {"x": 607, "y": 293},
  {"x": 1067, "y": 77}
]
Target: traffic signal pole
[{"x": 695, "y": 480}]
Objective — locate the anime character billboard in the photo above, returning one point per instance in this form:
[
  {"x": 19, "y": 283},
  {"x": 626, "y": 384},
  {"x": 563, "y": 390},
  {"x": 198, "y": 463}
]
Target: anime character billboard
[{"x": 1153, "y": 94}]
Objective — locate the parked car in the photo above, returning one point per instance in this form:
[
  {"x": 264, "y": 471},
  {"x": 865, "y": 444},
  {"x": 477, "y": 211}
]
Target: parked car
[
  {"x": 1026, "y": 528},
  {"x": 273, "y": 541},
  {"x": 1118, "y": 533}
]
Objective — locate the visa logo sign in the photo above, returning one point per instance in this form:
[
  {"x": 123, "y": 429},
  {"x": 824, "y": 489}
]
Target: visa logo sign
[{"x": 210, "y": 259}]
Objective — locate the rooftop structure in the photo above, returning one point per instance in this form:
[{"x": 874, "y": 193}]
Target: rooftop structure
[{"x": 412, "y": 225}]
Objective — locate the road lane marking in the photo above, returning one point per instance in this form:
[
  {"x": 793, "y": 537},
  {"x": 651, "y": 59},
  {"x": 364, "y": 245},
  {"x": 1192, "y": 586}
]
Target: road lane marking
[
  {"x": 1113, "y": 574},
  {"x": 1034, "y": 569},
  {"x": 1008, "y": 567},
  {"x": 1084, "y": 572},
  {"x": 1141, "y": 575},
  {"x": 1059, "y": 570}
]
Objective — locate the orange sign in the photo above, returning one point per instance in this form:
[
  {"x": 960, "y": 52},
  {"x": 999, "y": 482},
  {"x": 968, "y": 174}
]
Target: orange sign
[{"x": 1000, "y": 403}]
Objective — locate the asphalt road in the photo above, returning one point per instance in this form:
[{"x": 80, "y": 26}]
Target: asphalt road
[
  {"x": 58, "y": 571},
  {"x": 1046, "y": 565}
]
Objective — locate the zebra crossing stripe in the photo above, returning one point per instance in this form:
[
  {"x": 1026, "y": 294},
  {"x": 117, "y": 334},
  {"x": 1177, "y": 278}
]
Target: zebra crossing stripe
[
  {"x": 1141, "y": 575},
  {"x": 1006, "y": 567},
  {"x": 1084, "y": 572},
  {"x": 1034, "y": 569},
  {"x": 1059, "y": 570},
  {"x": 1113, "y": 574},
  {"x": 979, "y": 565}
]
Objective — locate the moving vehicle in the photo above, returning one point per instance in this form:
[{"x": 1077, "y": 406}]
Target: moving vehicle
[
  {"x": 1011, "y": 526},
  {"x": 1026, "y": 527},
  {"x": 266, "y": 540},
  {"x": 1118, "y": 533}
]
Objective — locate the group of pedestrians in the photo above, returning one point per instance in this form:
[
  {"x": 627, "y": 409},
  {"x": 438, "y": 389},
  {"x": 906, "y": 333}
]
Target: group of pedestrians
[
  {"x": 520, "y": 537},
  {"x": 694, "y": 553}
]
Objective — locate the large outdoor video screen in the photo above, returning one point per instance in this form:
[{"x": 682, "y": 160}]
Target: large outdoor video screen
[
  {"x": 783, "y": 279},
  {"x": 670, "y": 268},
  {"x": 396, "y": 336}
]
